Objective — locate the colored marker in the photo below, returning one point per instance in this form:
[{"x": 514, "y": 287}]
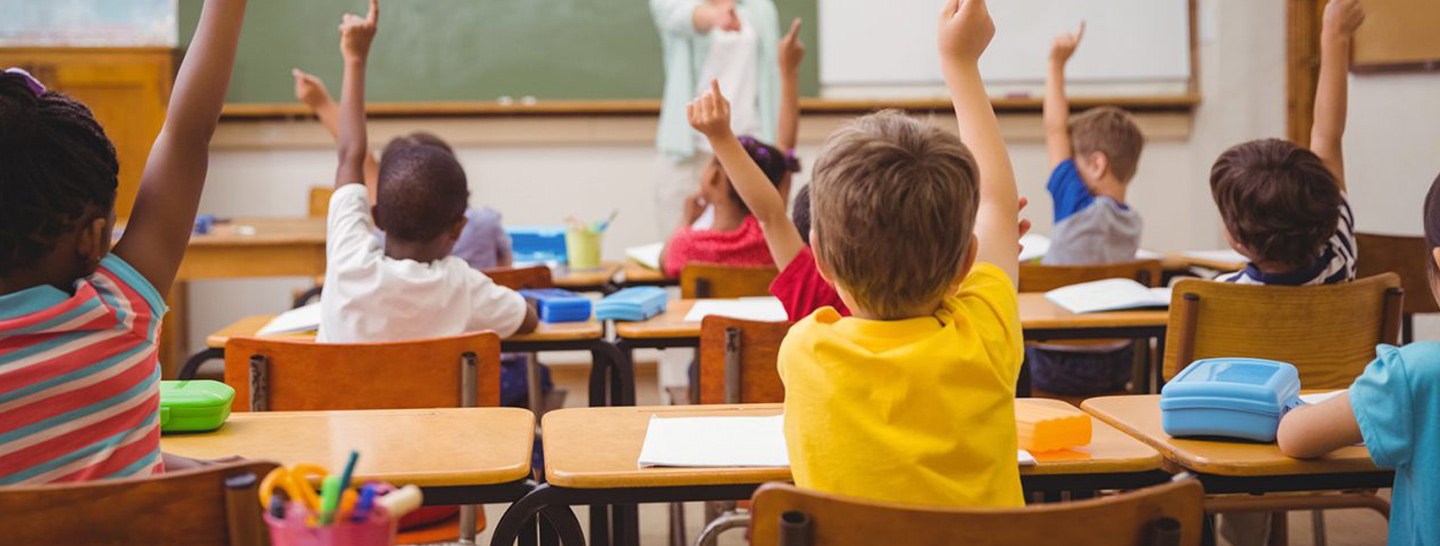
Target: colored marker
[
  {"x": 349, "y": 469},
  {"x": 365, "y": 504},
  {"x": 277, "y": 505},
  {"x": 329, "y": 499}
]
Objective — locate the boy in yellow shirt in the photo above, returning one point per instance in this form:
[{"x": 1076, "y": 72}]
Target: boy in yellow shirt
[{"x": 910, "y": 400}]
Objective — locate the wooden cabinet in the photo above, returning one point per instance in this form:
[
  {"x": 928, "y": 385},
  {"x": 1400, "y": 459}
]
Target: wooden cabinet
[{"x": 127, "y": 88}]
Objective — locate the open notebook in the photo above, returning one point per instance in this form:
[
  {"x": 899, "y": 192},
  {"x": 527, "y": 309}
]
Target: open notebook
[
  {"x": 764, "y": 309},
  {"x": 1108, "y": 295},
  {"x": 723, "y": 442},
  {"x": 294, "y": 321},
  {"x": 1036, "y": 246},
  {"x": 646, "y": 255}
]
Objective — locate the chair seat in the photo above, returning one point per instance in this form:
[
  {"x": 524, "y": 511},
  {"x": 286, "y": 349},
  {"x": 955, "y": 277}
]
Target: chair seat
[{"x": 443, "y": 530}]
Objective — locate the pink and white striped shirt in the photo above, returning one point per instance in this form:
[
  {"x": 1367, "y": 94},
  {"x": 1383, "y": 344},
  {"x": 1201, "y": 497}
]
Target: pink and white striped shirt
[{"x": 80, "y": 379}]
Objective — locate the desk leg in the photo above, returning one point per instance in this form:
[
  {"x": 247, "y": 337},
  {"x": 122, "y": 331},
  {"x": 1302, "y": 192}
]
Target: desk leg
[
  {"x": 599, "y": 525},
  {"x": 537, "y": 501},
  {"x": 174, "y": 330}
]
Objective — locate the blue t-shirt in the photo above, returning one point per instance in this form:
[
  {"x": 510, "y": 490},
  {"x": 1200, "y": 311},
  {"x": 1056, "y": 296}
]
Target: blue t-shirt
[
  {"x": 1396, "y": 402},
  {"x": 1068, "y": 190}
]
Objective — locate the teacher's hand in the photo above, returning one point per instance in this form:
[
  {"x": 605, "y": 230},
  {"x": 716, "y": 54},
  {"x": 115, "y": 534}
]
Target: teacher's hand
[{"x": 719, "y": 14}]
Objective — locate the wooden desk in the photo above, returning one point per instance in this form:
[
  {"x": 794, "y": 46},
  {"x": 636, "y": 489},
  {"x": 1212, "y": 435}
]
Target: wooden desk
[
  {"x": 591, "y": 454},
  {"x": 1237, "y": 466},
  {"x": 639, "y": 275},
  {"x": 600, "y": 279},
  {"x": 612, "y": 377},
  {"x": 239, "y": 248}
]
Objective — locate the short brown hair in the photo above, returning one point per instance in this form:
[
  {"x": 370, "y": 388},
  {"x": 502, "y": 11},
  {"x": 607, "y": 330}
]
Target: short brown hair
[
  {"x": 1278, "y": 200},
  {"x": 1110, "y": 131},
  {"x": 893, "y": 211}
]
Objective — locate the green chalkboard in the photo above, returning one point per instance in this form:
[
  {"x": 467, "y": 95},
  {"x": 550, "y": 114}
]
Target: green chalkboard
[{"x": 468, "y": 50}]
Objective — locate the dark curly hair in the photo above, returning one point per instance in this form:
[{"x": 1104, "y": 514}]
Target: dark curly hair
[
  {"x": 57, "y": 168},
  {"x": 773, "y": 162},
  {"x": 800, "y": 213},
  {"x": 1278, "y": 200},
  {"x": 422, "y": 189}
]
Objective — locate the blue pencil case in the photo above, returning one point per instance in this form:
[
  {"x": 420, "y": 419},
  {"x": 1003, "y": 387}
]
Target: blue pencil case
[
  {"x": 556, "y": 305},
  {"x": 537, "y": 244},
  {"x": 632, "y": 304},
  {"x": 1240, "y": 398}
]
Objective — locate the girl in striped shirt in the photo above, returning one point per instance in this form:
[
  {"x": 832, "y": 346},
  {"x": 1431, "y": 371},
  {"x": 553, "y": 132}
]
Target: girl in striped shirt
[{"x": 80, "y": 317}]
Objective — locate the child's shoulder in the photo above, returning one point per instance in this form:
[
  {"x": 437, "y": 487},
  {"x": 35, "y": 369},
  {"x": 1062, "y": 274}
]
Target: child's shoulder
[{"x": 1420, "y": 361}]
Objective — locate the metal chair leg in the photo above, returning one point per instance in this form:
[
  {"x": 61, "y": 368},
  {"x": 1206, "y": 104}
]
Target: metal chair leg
[
  {"x": 1317, "y": 527},
  {"x": 711, "y": 534},
  {"x": 467, "y": 524},
  {"x": 677, "y": 524}
]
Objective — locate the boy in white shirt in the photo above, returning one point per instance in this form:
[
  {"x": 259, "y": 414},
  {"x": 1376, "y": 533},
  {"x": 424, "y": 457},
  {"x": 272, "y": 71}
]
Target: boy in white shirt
[{"x": 410, "y": 287}]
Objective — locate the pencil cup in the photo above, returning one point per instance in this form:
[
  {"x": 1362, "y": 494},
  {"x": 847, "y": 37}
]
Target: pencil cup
[
  {"x": 377, "y": 530},
  {"x": 583, "y": 248}
]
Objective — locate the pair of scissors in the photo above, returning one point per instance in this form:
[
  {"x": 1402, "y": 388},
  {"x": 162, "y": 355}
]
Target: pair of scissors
[{"x": 295, "y": 482}]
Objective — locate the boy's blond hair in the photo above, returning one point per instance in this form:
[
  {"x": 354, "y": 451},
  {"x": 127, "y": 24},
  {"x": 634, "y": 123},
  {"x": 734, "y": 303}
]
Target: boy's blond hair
[
  {"x": 893, "y": 211},
  {"x": 1113, "y": 132}
]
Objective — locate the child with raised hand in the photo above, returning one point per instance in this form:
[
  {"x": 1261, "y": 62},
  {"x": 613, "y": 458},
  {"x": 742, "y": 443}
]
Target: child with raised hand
[
  {"x": 1391, "y": 407},
  {"x": 483, "y": 243},
  {"x": 1284, "y": 207},
  {"x": 409, "y": 287},
  {"x": 917, "y": 232},
  {"x": 79, "y": 320},
  {"x": 735, "y": 235},
  {"x": 1093, "y": 158}
]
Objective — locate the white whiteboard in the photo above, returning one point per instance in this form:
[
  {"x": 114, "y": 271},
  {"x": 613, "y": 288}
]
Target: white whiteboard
[{"x": 887, "y": 48}]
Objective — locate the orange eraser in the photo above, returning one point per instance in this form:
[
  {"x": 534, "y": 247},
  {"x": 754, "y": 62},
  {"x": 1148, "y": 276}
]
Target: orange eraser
[{"x": 1044, "y": 428}]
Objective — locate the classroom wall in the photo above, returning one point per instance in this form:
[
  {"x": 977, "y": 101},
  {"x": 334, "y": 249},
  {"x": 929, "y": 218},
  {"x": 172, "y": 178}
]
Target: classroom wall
[{"x": 538, "y": 171}]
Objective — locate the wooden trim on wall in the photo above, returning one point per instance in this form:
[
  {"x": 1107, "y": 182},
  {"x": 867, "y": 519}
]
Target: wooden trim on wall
[
  {"x": 1175, "y": 103},
  {"x": 1302, "y": 56}
]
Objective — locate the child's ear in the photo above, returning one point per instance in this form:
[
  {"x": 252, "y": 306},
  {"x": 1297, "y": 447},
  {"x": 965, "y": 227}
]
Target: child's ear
[
  {"x": 820, "y": 266},
  {"x": 93, "y": 243},
  {"x": 1099, "y": 164},
  {"x": 967, "y": 265},
  {"x": 459, "y": 227}
]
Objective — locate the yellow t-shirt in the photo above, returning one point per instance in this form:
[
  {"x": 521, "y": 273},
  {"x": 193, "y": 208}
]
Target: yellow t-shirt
[{"x": 917, "y": 411}]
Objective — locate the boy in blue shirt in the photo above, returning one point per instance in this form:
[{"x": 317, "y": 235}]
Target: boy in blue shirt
[
  {"x": 1392, "y": 408},
  {"x": 1093, "y": 158}
]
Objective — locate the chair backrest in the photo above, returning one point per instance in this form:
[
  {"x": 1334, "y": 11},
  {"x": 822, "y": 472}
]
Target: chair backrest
[
  {"x": 449, "y": 372},
  {"x": 1328, "y": 332},
  {"x": 1044, "y": 278},
  {"x": 737, "y": 361},
  {"x": 1405, "y": 256},
  {"x": 700, "y": 281},
  {"x": 320, "y": 201},
  {"x": 193, "y": 507},
  {"x": 784, "y": 515},
  {"x": 522, "y": 278}
]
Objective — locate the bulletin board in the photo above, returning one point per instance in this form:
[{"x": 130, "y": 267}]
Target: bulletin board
[{"x": 1398, "y": 35}]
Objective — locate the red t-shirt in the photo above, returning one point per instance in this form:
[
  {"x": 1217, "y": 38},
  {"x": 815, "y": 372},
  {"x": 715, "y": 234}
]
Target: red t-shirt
[
  {"x": 744, "y": 246},
  {"x": 803, "y": 291}
]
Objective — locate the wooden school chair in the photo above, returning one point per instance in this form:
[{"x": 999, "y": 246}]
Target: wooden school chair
[
  {"x": 737, "y": 365},
  {"x": 523, "y": 278},
  {"x": 1328, "y": 332},
  {"x": 702, "y": 281},
  {"x": 451, "y": 372},
  {"x": 319, "y": 208},
  {"x": 1163, "y": 515},
  {"x": 216, "y": 505},
  {"x": 1405, "y": 256},
  {"x": 1044, "y": 278}
]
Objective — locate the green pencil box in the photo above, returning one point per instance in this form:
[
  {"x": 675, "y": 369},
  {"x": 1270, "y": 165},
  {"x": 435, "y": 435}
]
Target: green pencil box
[{"x": 194, "y": 406}]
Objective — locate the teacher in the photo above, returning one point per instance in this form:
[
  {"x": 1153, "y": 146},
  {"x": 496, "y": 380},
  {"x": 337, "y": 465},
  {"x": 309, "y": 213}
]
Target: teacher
[{"x": 733, "y": 41}]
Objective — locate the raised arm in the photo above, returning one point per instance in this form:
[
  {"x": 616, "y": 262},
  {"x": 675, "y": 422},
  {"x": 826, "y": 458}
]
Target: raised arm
[
  {"x": 311, "y": 91},
  {"x": 710, "y": 114},
  {"x": 965, "y": 31},
  {"x": 159, "y": 230},
  {"x": 356, "y": 34},
  {"x": 1342, "y": 17},
  {"x": 1057, "y": 105},
  {"x": 792, "y": 52}
]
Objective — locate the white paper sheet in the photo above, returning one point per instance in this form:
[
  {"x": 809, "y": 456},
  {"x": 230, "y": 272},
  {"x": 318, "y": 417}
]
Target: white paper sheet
[
  {"x": 1035, "y": 246},
  {"x": 1143, "y": 254},
  {"x": 294, "y": 321},
  {"x": 1108, "y": 295},
  {"x": 646, "y": 255},
  {"x": 766, "y": 309},
  {"x": 711, "y": 442},
  {"x": 715, "y": 441},
  {"x": 1316, "y": 398}
]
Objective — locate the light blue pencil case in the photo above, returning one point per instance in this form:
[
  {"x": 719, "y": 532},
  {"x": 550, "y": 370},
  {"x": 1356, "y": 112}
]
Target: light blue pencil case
[
  {"x": 632, "y": 304},
  {"x": 1240, "y": 398}
]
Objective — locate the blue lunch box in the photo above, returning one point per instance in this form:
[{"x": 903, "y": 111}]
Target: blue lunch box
[
  {"x": 556, "y": 305},
  {"x": 1230, "y": 397}
]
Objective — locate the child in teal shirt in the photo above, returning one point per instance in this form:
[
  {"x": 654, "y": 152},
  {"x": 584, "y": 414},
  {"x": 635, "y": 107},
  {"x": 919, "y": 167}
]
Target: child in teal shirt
[{"x": 1392, "y": 407}]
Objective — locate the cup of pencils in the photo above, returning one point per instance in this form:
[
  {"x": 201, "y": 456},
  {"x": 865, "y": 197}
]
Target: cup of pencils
[
  {"x": 582, "y": 242},
  {"x": 338, "y": 515}
]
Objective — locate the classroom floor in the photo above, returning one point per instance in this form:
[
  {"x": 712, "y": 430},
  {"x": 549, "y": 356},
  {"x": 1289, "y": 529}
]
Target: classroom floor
[{"x": 1343, "y": 527}]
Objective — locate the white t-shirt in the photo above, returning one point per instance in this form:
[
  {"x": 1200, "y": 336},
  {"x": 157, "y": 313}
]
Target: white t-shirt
[
  {"x": 733, "y": 59},
  {"x": 371, "y": 298}
]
